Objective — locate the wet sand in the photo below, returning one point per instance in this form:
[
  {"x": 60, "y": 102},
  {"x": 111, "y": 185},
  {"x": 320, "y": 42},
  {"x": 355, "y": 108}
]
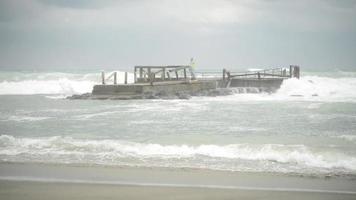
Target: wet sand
[
  {"x": 36, "y": 181},
  {"x": 39, "y": 190}
]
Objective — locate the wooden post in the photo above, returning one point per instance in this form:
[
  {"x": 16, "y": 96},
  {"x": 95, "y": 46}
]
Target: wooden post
[
  {"x": 290, "y": 71},
  {"x": 163, "y": 74},
  {"x": 168, "y": 76},
  {"x": 115, "y": 78},
  {"x": 224, "y": 72},
  {"x": 125, "y": 77},
  {"x": 103, "y": 77},
  {"x": 135, "y": 75},
  {"x": 185, "y": 73},
  {"x": 176, "y": 75},
  {"x": 296, "y": 72},
  {"x": 229, "y": 79},
  {"x": 258, "y": 75},
  {"x": 149, "y": 74},
  {"x": 141, "y": 73}
]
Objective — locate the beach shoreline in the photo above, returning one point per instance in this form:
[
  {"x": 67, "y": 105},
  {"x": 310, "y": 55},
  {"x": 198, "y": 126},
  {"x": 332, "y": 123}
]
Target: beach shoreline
[
  {"x": 45, "y": 180},
  {"x": 55, "y": 190}
]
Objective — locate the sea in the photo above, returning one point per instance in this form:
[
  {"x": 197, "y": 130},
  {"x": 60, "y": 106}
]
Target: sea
[{"x": 307, "y": 127}]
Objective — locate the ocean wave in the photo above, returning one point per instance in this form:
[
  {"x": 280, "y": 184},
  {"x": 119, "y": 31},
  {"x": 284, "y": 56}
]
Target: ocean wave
[
  {"x": 238, "y": 157},
  {"x": 25, "y": 118},
  {"x": 307, "y": 88},
  {"x": 62, "y": 86},
  {"x": 351, "y": 138},
  {"x": 317, "y": 88},
  {"x": 55, "y": 83}
]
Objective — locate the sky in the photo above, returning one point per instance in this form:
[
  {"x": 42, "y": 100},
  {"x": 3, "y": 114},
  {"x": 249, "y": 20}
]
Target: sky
[{"x": 234, "y": 34}]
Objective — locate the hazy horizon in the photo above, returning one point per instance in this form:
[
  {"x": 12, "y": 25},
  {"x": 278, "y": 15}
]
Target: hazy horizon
[{"x": 91, "y": 35}]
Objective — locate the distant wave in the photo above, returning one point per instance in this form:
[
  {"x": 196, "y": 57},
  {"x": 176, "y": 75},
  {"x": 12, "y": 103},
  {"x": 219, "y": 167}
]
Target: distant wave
[
  {"x": 237, "y": 157},
  {"x": 62, "y": 86},
  {"x": 17, "y": 83}
]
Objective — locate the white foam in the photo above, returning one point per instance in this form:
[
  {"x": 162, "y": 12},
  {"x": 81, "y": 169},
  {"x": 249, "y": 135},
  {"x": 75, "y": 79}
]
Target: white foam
[
  {"x": 351, "y": 138},
  {"x": 26, "y": 118},
  {"x": 318, "y": 89},
  {"x": 61, "y": 86},
  {"x": 51, "y": 83},
  {"x": 274, "y": 157},
  {"x": 307, "y": 88}
]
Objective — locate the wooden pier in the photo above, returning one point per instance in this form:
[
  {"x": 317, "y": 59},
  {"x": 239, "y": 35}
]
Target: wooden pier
[{"x": 180, "y": 81}]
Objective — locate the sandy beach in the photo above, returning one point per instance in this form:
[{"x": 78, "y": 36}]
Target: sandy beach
[
  {"x": 40, "y": 190},
  {"x": 36, "y": 181}
]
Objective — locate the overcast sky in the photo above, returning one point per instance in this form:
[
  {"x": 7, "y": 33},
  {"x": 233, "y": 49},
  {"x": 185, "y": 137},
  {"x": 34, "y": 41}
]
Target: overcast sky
[{"x": 89, "y": 34}]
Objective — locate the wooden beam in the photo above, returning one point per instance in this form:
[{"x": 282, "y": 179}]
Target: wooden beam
[{"x": 103, "y": 77}]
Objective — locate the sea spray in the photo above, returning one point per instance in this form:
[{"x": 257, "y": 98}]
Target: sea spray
[
  {"x": 55, "y": 83},
  {"x": 318, "y": 88}
]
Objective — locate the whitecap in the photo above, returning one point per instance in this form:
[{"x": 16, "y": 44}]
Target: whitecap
[
  {"x": 17, "y": 118},
  {"x": 238, "y": 157}
]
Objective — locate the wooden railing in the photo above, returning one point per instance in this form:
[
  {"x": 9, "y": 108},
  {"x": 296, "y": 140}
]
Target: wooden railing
[
  {"x": 292, "y": 72},
  {"x": 113, "y": 76}
]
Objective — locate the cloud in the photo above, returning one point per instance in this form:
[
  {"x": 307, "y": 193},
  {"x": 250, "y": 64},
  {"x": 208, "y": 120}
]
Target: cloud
[
  {"x": 12, "y": 10},
  {"x": 237, "y": 32},
  {"x": 79, "y": 4}
]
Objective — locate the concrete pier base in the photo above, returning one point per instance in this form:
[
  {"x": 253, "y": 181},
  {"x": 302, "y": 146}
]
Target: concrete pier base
[
  {"x": 182, "y": 89},
  {"x": 265, "y": 85},
  {"x": 163, "y": 90}
]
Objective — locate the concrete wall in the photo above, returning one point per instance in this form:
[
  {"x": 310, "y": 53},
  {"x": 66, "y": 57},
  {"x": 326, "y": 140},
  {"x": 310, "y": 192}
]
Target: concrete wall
[
  {"x": 168, "y": 88},
  {"x": 117, "y": 89},
  {"x": 193, "y": 87},
  {"x": 258, "y": 83}
]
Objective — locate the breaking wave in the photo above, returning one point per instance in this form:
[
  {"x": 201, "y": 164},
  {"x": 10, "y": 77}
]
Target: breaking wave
[
  {"x": 318, "y": 88},
  {"x": 236, "y": 157},
  {"x": 310, "y": 87},
  {"x": 61, "y": 86},
  {"x": 49, "y": 83}
]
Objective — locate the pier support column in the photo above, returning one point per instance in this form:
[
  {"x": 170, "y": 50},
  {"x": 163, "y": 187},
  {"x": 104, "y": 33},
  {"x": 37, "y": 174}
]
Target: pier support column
[
  {"x": 296, "y": 72},
  {"x": 115, "y": 78},
  {"x": 125, "y": 77},
  {"x": 103, "y": 77},
  {"x": 135, "y": 75},
  {"x": 141, "y": 73}
]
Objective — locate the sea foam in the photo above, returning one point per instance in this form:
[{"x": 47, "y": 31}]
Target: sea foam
[
  {"x": 318, "y": 89},
  {"x": 266, "y": 157},
  {"x": 51, "y": 83}
]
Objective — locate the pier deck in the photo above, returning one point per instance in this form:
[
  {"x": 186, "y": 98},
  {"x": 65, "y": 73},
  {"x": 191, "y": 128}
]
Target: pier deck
[{"x": 180, "y": 81}]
